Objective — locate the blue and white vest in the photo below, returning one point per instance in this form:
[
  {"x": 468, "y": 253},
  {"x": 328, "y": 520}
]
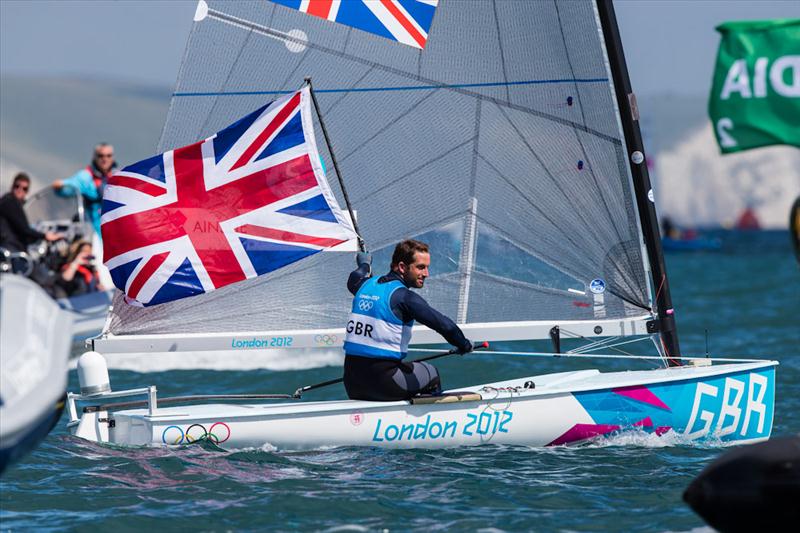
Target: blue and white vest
[{"x": 373, "y": 329}]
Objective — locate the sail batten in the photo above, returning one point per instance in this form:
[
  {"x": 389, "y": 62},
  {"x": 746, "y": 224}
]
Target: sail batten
[{"x": 499, "y": 143}]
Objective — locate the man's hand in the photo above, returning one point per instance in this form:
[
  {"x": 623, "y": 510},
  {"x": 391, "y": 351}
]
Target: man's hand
[
  {"x": 53, "y": 236},
  {"x": 465, "y": 348},
  {"x": 363, "y": 258}
]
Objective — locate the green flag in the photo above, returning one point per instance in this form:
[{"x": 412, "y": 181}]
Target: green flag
[{"x": 755, "y": 97}]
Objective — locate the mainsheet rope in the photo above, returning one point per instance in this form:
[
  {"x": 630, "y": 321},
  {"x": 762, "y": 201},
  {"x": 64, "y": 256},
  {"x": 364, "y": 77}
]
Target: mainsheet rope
[{"x": 607, "y": 356}]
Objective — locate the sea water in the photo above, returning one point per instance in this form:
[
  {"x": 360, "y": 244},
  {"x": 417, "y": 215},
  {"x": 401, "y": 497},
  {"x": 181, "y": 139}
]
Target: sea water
[{"x": 741, "y": 301}]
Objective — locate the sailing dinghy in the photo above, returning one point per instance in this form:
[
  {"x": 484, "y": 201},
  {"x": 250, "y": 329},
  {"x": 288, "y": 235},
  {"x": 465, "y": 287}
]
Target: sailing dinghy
[{"x": 504, "y": 134}]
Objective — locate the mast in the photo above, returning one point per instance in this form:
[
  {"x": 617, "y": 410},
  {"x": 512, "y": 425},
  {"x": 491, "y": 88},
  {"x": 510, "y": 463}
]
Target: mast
[{"x": 629, "y": 116}]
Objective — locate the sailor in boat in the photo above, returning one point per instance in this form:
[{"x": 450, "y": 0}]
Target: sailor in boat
[
  {"x": 15, "y": 231},
  {"x": 379, "y": 328},
  {"x": 78, "y": 273},
  {"x": 90, "y": 182}
]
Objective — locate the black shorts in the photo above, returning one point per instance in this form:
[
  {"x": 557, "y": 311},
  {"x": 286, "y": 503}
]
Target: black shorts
[{"x": 386, "y": 380}]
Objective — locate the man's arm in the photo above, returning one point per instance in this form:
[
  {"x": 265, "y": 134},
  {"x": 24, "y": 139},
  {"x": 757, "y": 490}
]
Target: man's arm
[
  {"x": 361, "y": 274},
  {"x": 413, "y": 306},
  {"x": 71, "y": 185}
]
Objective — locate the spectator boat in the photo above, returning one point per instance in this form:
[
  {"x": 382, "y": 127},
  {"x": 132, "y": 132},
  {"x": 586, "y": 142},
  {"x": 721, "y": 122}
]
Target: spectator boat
[
  {"x": 34, "y": 342},
  {"x": 42, "y": 261}
]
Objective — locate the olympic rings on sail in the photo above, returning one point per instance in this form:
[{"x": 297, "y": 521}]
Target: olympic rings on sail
[
  {"x": 327, "y": 340},
  {"x": 218, "y": 433}
]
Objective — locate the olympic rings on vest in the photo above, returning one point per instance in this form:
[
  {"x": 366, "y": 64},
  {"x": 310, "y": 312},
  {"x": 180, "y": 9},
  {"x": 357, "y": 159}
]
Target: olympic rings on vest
[{"x": 365, "y": 305}]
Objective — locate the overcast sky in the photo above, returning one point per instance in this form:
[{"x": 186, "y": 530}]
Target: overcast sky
[{"x": 670, "y": 45}]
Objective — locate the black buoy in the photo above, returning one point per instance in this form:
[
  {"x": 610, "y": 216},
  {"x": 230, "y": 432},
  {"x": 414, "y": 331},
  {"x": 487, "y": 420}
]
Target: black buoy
[{"x": 752, "y": 488}]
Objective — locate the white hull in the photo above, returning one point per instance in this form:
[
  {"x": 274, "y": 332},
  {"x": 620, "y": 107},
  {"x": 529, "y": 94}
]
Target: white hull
[
  {"x": 34, "y": 347},
  {"x": 729, "y": 403}
]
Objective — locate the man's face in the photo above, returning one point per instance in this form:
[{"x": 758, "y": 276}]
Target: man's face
[
  {"x": 104, "y": 158},
  {"x": 414, "y": 274},
  {"x": 21, "y": 190}
]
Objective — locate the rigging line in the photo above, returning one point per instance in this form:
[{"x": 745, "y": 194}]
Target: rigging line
[
  {"x": 564, "y": 194},
  {"x": 584, "y": 349},
  {"x": 521, "y": 284},
  {"x": 550, "y": 261},
  {"x": 609, "y": 356},
  {"x": 413, "y": 171},
  {"x": 424, "y": 88},
  {"x": 631, "y": 209},
  {"x": 353, "y": 220},
  {"x": 530, "y": 202},
  {"x": 476, "y": 142},
  {"x": 389, "y": 124},
  {"x": 500, "y": 46},
  {"x": 567, "y": 237},
  {"x": 269, "y": 32},
  {"x": 579, "y": 336},
  {"x": 224, "y": 83},
  {"x": 591, "y": 346},
  {"x": 667, "y": 356},
  {"x": 181, "y": 70},
  {"x": 288, "y": 78},
  {"x": 344, "y": 95},
  {"x": 547, "y": 171},
  {"x": 424, "y": 228},
  {"x": 590, "y": 168},
  {"x": 661, "y": 285},
  {"x": 612, "y": 341}
]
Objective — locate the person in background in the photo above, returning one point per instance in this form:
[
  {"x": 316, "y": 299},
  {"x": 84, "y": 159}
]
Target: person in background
[
  {"x": 15, "y": 231},
  {"x": 379, "y": 330},
  {"x": 90, "y": 183},
  {"x": 78, "y": 274}
]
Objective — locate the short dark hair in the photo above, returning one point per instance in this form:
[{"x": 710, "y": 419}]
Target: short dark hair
[
  {"x": 404, "y": 251},
  {"x": 20, "y": 177}
]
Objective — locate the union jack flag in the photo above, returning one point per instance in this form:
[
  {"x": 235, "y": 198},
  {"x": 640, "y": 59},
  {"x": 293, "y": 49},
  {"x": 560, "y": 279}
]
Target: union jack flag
[
  {"x": 406, "y": 21},
  {"x": 249, "y": 200}
]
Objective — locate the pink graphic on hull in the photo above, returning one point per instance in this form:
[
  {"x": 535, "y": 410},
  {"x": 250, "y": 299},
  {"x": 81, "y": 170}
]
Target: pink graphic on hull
[
  {"x": 580, "y": 432},
  {"x": 641, "y": 394}
]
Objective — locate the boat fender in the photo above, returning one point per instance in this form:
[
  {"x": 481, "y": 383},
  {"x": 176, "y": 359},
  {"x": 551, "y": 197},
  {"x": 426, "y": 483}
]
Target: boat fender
[{"x": 93, "y": 374}]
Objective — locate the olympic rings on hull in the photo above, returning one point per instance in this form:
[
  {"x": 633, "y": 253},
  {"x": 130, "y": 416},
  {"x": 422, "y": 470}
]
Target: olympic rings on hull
[
  {"x": 325, "y": 340},
  {"x": 218, "y": 433},
  {"x": 170, "y": 434}
]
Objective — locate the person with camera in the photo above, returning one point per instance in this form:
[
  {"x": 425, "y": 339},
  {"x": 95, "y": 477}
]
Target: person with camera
[{"x": 78, "y": 274}]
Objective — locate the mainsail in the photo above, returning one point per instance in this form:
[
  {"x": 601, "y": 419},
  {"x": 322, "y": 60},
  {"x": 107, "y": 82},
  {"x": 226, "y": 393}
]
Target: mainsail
[{"x": 499, "y": 143}]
